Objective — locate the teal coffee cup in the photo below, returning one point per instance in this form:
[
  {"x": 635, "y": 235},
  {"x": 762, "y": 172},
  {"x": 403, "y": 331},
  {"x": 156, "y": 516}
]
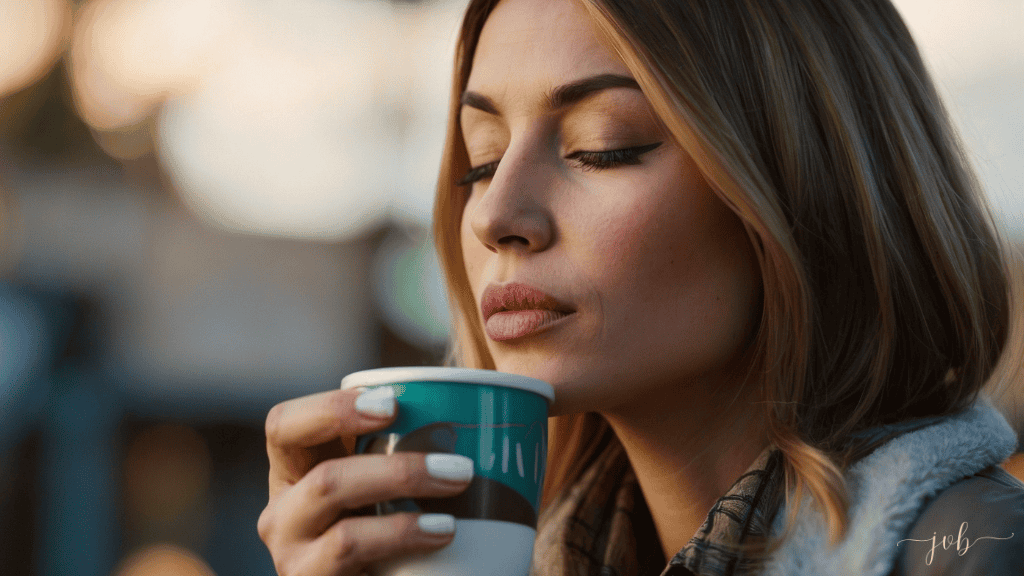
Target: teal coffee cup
[{"x": 496, "y": 419}]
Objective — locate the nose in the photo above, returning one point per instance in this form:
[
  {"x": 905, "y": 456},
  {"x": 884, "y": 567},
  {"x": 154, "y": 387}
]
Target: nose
[{"x": 512, "y": 210}]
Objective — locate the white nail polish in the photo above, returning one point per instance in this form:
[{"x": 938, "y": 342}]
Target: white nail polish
[
  {"x": 377, "y": 402},
  {"x": 450, "y": 467},
  {"x": 437, "y": 523}
]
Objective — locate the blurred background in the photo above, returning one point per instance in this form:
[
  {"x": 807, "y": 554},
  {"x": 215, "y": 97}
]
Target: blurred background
[{"x": 211, "y": 206}]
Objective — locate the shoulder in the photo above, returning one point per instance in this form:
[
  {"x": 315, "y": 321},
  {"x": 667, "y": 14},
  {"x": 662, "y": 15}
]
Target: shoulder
[{"x": 973, "y": 527}]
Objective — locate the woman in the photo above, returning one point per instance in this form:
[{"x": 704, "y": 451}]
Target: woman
[{"x": 751, "y": 259}]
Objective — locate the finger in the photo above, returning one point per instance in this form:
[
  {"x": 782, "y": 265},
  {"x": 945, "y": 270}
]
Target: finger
[
  {"x": 300, "y": 430},
  {"x": 354, "y": 482},
  {"x": 352, "y": 544}
]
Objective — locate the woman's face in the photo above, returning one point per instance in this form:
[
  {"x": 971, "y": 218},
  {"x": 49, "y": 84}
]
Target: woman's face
[{"x": 657, "y": 271}]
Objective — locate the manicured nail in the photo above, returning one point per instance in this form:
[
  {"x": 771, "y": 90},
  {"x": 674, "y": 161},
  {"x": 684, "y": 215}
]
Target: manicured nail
[
  {"x": 378, "y": 402},
  {"x": 450, "y": 467},
  {"x": 437, "y": 523}
]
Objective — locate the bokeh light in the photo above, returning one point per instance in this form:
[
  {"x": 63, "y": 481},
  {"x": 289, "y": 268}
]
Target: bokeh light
[
  {"x": 127, "y": 56},
  {"x": 32, "y": 35},
  {"x": 164, "y": 560},
  {"x": 310, "y": 119},
  {"x": 409, "y": 290},
  {"x": 295, "y": 134}
]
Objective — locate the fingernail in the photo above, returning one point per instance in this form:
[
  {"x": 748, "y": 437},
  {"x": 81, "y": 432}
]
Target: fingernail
[
  {"x": 377, "y": 402},
  {"x": 450, "y": 467},
  {"x": 437, "y": 523}
]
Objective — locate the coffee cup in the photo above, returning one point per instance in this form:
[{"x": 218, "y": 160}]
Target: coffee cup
[{"x": 499, "y": 421}]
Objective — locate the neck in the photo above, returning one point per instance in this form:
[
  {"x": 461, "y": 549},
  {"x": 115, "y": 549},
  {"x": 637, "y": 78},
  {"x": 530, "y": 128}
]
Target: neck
[{"x": 687, "y": 450}]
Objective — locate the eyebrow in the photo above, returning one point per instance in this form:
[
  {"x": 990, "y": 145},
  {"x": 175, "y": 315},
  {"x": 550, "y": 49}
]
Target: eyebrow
[{"x": 560, "y": 97}]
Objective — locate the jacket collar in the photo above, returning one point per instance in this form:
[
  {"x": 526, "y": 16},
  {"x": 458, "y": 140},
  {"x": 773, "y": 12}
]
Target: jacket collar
[{"x": 887, "y": 489}]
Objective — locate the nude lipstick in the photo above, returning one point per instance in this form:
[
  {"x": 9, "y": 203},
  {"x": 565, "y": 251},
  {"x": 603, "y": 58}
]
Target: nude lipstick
[{"x": 516, "y": 310}]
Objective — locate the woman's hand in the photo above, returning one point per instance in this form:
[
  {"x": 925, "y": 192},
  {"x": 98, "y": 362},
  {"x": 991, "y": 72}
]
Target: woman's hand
[{"x": 319, "y": 519}]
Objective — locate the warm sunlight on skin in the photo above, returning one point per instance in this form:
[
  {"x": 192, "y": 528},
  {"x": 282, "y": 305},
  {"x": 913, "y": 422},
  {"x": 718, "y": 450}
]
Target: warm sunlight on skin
[{"x": 660, "y": 272}]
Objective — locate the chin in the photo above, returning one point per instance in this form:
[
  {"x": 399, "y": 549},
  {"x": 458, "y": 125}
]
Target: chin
[
  {"x": 550, "y": 371},
  {"x": 569, "y": 386},
  {"x": 525, "y": 367}
]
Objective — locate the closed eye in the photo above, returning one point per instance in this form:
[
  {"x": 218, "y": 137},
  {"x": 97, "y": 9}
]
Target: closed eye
[
  {"x": 611, "y": 158},
  {"x": 600, "y": 160},
  {"x": 478, "y": 173}
]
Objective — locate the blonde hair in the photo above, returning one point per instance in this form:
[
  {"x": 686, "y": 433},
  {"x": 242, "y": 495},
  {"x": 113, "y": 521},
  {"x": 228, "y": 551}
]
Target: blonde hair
[{"x": 885, "y": 293}]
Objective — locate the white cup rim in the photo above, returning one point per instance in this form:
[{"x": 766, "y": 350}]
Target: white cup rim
[{"x": 403, "y": 374}]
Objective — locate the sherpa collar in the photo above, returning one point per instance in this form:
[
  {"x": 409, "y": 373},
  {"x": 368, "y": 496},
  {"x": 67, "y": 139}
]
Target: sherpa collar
[{"x": 887, "y": 489}]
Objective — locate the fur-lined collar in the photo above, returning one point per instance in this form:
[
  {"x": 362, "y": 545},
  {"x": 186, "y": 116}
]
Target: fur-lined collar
[{"x": 887, "y": 489}]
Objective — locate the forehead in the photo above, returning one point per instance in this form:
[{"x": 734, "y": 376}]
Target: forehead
[{"x": 531, "y": 45}]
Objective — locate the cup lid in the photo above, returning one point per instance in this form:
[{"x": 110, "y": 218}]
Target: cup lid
[{"x": 444, "y": 374}]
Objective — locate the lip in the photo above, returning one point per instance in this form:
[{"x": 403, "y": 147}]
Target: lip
[{"x": 515, "y": 309}]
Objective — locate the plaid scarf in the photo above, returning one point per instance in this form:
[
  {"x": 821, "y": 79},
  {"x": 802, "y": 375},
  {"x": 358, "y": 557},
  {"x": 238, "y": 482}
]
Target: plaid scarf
[{"x": 602, "y": 526}]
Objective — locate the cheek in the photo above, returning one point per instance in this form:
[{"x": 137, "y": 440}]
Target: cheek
[
  {"x": 650, "y": 222},
  {"x": 469, "y": 256},
  {"x": 674, "y": 257},
  {"x": 628, "y": 244},
  {"x": 474, "y": 255}
]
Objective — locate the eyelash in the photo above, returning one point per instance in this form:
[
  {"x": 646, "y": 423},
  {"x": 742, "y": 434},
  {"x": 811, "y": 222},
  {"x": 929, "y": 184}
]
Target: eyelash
[{"x": 588, "y": 160}]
